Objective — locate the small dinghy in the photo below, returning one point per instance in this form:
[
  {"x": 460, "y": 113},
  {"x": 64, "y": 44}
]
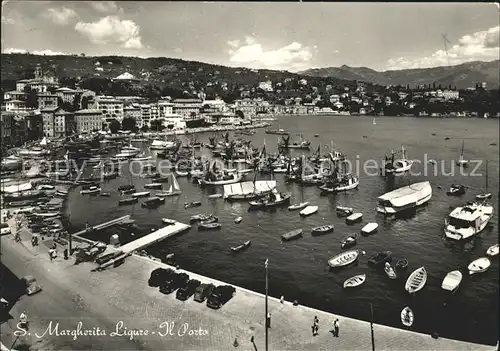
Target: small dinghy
[
  {"x": 291, "y": 235},
  {"x": 456, "y": 190},
  {"x": 381, "y": 257},
  {"x": 349, "y": 242},
  {"x": 214, "y": 196},
  {"x": 370, "y": 228},
  {"x": 402, "y": 264},
  {"x": 355, "y": 217},
  {"x": 298, "y": 206},
  {"x": 212, "y": 219},
  {"x": 407, "y": 317},
  {"x": 344, "y": 211},
  {"x": 141, "y": 194},
  {"x": 209, "y": 226},
  {"x": 452, "y": 281},
  {"x": 480, "y": 265},
  {"x": 131, "y": 200},
  {"x": 355, "y": 281},
  {"x": 192, "y": 204},
  {"x": 492, "y": 250},
  {"x": 324, "y": 229},
  {"x": 168, "y": 221},
  {"x": 309, "y": 210},
  {"x": 241, "y": 247},
  {"x": 105, "y": 194},
  {"x": 484, "y": 196},
  {"x": 344, "y": 259},
  {"x": 416, "y": 280},
  {"x": 391, "y": 273},
  {"x": 238, "y": 220},
  {"x": 153, "y": 186}
]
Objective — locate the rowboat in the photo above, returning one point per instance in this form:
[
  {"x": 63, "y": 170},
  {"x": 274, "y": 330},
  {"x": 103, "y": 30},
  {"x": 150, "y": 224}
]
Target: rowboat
[
  {"x": 407, "y": 316},
  {"x": 238, "y": 220},
  {"x": 452, "y": 281},
  {"x": 153, "y": 186},
  {"x": 209, "y": 226},
  {"x": 214, "y": 196},
  {"x": 243, "y": 246},
  {"x": 91, "y": 190},
  {"x": 212, "y": 219},
  {"x": 141, "y": 194},
  {"x": 484, "y": 196},
  {"x": 416, "y": 280},
  {"x": 480, "y": 265},
  {"x": 344, "y": 211},
  {"x": 200, "y": 217},
  {"x": 294, "y": 234},
  {"x": 355, "y": 217},
  {"x": 349, "y": 241},
  {"x": 309, "y": 210},
  {"x": 344, "y": 259},
  {"x": 370, "y": 228},
  {"x": 402, "y": 264},
  {"x": 105, "y": 194},
  {"x": 324, "y": 229},
  {"x": 492, "y": 250},
  {"x": 391, "y": 273},
  {"x": 355, "y": 281},
  {"x": 131, "y": 200},
  {"x": 298, "y": 206},
  {"x": 192, "y": 204},
  {"x": 168, "y": 221}
]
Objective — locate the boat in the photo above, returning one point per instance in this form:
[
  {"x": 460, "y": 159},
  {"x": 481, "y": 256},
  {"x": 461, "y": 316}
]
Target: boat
[
  {"x": 153, "y": 186},
  {"x": 355, "y": 281},
  {"x": 163, "y": 145},
  {"x": 461, "y": 162},
  {"x": 241, "y": 247},
  {"x": 402, "y": 264},
  {"x": 398, "y": 166},
  {"x": 355, "y": 217},
  {"x": 416, "y": 280},
  {"x": 168, "y": 221},
  {"x": 90, "y": 191},
  {"x": 466, "y": 221},
  {"x": 298, "y": 206},
  {"x": 349, "y": 241},
  {"x": 309, "y": 210},
  {"x": 486, "y": 195},
  {"x": 126, "y": 187},
  {"x": 324, "y": 229},
  {"x": 343, "y": 211},
  {"x": 223, "y": 179},
  {"x": 141, "y": 158},
  {"x": 238, "y": 220},
  {"x": 405, "y": 198},
  {"x": 381, "y": 257},
  {"x": 209, "y": 226},
  {"x": 248, "y": 190},
  {"x": 456, "y": 190},
  {"x": 389, "y": 271},
  {"x": 105, "y": 194},
  {"x": 274, "y": 199},
  {"x": 302, "y": 144},
  {"x": 407, "y": 317},
  {"x": 11, "y": 163},
  {"x": 181, "y": 173},
  {"x": 492, "y": 250},
  {"x": 153, "y": 202},
  {"x": 211, "y": 219},
  {"x": 294, "y": 234},
  {"x": 277, "y": 131},
  {"x": 192, "y": 204},
  {"x": 173, "y": 190},
  {"x": 141, "y": 194},
  {"x": 370, "y": 228},
  {"x": 451, "y": 281},
  {"x": 480, "y": 265},
  {"x": 343, "y": 259},
  {"x": 130, "y": 200},
  {"x": 215, "y": 196}
]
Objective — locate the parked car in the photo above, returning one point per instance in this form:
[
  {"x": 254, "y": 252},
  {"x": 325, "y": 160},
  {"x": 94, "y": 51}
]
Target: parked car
[
  {"x": 159, "y": 276},
  {"x": 186, "y": 291},
  {"x": 30, "y": 285},
  {"x": 174, "y": 282},
  {"x": 5, "y": 229},
  {"x": 221, "y": 295},
  {"x": 203, "y": 291}
]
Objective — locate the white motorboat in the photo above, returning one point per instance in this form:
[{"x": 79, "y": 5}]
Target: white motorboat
[
  {"x": 90, "y": 191},
  {"x": 391, "y": 272},
  {"x": 298, "y": 206},
  {"x": 355, "y": 281},
  {"x": 343, "y": 259},
  {"x": 238, "y": 220},
  {"x": 173, "y": 190},
  {"x": 407, "y": 317},
  {"x": 370, "y": 228},
  {"x": 355, "y": 217},
  {"x": 309, "y": 210},
  {"x": 141, "y": 194},
  {"x": 347, "y": 182},
  {"x": 405, "y": 198},
  {"x": 480, "y": 265},
  {"x": 451, "y": 281},
  {"x": 402, "y": 165},
  {"x": 466, "y": 221},
  {"x": 492, "y": 250},
  {"x": 416, "y": 280}
]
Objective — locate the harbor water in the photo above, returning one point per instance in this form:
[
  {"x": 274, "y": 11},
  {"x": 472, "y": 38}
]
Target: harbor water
[{"x": 298, "y": 269}]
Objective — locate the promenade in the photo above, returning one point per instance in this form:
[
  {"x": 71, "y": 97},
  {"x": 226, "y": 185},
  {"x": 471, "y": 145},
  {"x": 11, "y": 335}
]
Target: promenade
[{"x": 102, "y": 299}]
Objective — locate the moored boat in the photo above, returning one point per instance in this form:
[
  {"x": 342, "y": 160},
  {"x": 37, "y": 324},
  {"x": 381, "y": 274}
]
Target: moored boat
[
  {"x": 153, "y": 202},
  {"x": 389, "y": 271},
  {"x": 407, "y": 317},
  {"x": 354, "y": 218},
  {"x": 241, "y": 247},
  {"x": 324, "y": 229},
  {"x": 404, "y": 198},
  {"x": 168, "y": 221},
  {"x": 200, "y": 217},
  {"x": 131, "y": 200},
  {"x": 416, "y": 280},
  {"x": 298, "y": 206},
  {"x": 238, "y": 220},
  {"x": 355, "y": 281},
  {"x": 173, "y": 190},
  {"x": 91, "y": 190},
  {"x": 141, "y": 194},
  {"x": 492, "y": 250},
  {"x": 192, "y": 204},
  {"x": 209, "y": 226},
  {"x": 309, "y": 210},
  {"x": 349, "y": 241},
  {"x": 466, "y": 221},
  {"x": 451, "y": 281},
  {"x": 343, "y": 259},
  {"x": 369, "y": 229},
  {"x": 294, "y": 234},
  {"x": 215, "y": 196},
  {"x": 344, "y": 211},
  {"x": 153, "y": 186},
  {"x": 402, "y": 264},
  {"x": 248, "y": 190},
  {"x": 105, "y": 194},
  {"x": 456, "y": 190},
  {"x": 273, "y": 199},
  {"x": 480, "y": 265}
]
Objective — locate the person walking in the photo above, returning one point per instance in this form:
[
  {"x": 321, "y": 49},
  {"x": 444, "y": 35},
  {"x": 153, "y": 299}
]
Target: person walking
[
  {"x": 23, "y": 320},
  {"x": 336, "y": 325}
]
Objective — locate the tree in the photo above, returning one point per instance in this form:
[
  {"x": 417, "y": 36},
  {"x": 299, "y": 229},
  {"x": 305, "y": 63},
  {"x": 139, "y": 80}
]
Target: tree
[
  {"x": 31, "y": 97},
  {"x": 144, "y": 128},
  {"x": 129, "y": 123},
  {"x": 157, "y": 125},
  {"x": 114, "y": 126},
  {"x": 239, "y": 114},
  {"x": 85, "y": 101},
  {"x": 76, "y": 102}
]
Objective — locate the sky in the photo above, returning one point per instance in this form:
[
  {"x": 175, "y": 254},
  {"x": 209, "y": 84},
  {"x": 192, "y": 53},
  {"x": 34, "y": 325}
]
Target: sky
[{"x": 283, "y": 36}]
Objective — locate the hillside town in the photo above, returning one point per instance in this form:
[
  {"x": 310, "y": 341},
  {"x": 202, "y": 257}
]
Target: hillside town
[{"x": 44, "y": 107}]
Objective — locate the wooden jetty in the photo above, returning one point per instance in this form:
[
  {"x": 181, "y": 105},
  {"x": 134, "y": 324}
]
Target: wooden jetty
[{"x": 103, "y": 225}]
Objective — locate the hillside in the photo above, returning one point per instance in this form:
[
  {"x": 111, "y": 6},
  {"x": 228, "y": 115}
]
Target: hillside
[{"x": 461, "y": 76}]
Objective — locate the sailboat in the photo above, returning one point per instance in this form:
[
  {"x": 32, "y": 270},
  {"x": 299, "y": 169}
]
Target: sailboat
[
  {"x": 461, "y": 162},
  {"x": 173, "y": 190},
  {"x": 340, "y": 181},
  {"x": 486, "y": 195},
  {"x": 301, "y": 205}
]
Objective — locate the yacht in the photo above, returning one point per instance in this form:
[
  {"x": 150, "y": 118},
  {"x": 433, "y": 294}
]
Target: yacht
[
  {"x": 405, "y": 198},
  {"x": 466, "y": 221}
]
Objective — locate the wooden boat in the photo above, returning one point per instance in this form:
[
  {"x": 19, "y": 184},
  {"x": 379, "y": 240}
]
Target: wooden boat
[
  {"x": 355, "y": 217},
  {"x": 456, "y": 190},
  {"x": 200, "y": 217},
  {"x": 391, "y": 273},
  {"x": 298, "y": 206},
  {"x": 451, "y": 281},
  {"x": 248, "y": 190},
  {"x": 291, "y": 235},
  {"x": 492, "y": 250},
  {"x": 192, "y": 204},
  {"x": 349, "y": 241},
  {"x": 105, "y": 194},
  {"x": 153, "y": 202},
  {"x": 309, "y": 210},
  {"x": 168, "y": 221},
  {"x": 343, "y": 259},
  {"x": 230, "y": 179},
  {"x": 153, "y": 186},
  {"x": 480, "y": 265},
  {"x": 209, "y": 226},
  {"x": 238, "y": 220},
  {"x": 370, "y": 228},
  {"x": 343, "y": 211},
  {"x": 402, "y": 264},
  {"x": 214, "y": 196},
  {"x": 141, "y": 194},
  {"x": 407, "y": 317},
  {"x": 241, "y": 247},
  {"x": 131, "y": 200},
  {"x": 416, "y": 280},
  {"x": 90, "y": 191},
  {"x": 279, "y": 199},
  {"x": 126, "y": 187},
  {"x": 324, "y": 229},
  {"x": 212, "y": 219},
  {"x": 381, "y": 257},
  {"x": 355, "y": 281}
]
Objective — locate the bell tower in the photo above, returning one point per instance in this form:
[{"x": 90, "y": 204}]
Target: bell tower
[{"x": 38, "y": 72}]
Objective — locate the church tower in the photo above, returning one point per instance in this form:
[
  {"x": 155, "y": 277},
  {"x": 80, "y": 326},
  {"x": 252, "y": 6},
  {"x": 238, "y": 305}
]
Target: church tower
[{"x": 38, "y": 72}]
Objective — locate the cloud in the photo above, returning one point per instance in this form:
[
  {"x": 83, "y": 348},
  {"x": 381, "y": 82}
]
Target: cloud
[
  {"x": 105, "y": 6},
  {"x": 292, "y": 56},
  {"x": 479, "y": 46},
  {"x": 61, "y": 16},
  {"x": 112, "y": 30},
  {"x": 46, "y": 52}
]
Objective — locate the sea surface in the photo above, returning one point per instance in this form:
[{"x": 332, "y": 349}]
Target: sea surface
[{"x": 298, "y": 269}]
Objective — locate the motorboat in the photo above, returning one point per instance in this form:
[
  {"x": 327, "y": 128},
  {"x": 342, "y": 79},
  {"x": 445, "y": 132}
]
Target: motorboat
[
  {"x": 354, "y": 218},
  {"x": 90, "y": 191},
  {"x": 211, "y": 219},
  {"x": 131, "y": 200},
  {"x": 416, "y": 280},
  {"x": 480, "y": 265},
  {"x": 344, "y": 211},
  {"x": 192, "y": 204},
  {"x": 209, "y": 226},
  {"x": 404, "y": 198},
  {"x": 407, "y": 317},
  {"x": 381, "y": 257},
  {"x": 466, "y": 221},
  {"x": 241, "y": 247},
  {"x": 324, "y": 229},
  {"x": 369, "y": 229},
  {"x": 294, "y": 234},
  {"x": 153, "y": 202},
  {"x": 168, "y": 221},
  {"x": 238, "y": 220},
  {"x": 456, "y": 190},
  {"x": 355, "y": 281},
  {"x": 153, "y": 186},
  {"x": 402, "y": 264},
  {"x": 141, "y": 194},
  {"x": 349, "y": 241},
  {"x": 200, "y": 217},
  {"x": 309, "y": 210},
  {"x": 492, "y": 250},
  {"x": 343, "y": 259},
  {"x": 298, "y": 206},
  {"x": 273, "y": 199},
  {"x": 451, "y": 281},
  {"x": 248, "y": 190},
  {"x": 389, "y": 271},
  {"x": 398, "y": 166},
  {"x": 346, "y": 182}
]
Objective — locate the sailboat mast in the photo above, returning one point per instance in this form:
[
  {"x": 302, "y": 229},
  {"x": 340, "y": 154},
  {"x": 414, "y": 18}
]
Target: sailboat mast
[{"x": 486, "y": 175}]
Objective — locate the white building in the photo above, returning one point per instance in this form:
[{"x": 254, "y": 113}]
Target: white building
[
  {"x": 17, "y": 106},
  {"x": 88, "y": 120},
  {"x": 334, "y": 98},
  {"x": 165, "y": 108},
  {"x": 451, "y": 95},
  {"x": 110, "y": 107},
  {"x": 303, "y": 81},
  {"x": 133, "y": 111},
  {"x": 266, "y": 86}
]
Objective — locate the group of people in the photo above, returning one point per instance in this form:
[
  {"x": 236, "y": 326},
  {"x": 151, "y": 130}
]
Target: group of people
[{"x": 334, "y": 331}]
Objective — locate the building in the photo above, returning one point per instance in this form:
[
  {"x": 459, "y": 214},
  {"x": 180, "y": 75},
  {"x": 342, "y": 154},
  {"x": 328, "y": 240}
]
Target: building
[
  {"x": 88, "y": 120},
  {"x": 133, "y": 111},
  {"x": 34, "y": 126},
  {"x": 64, "y": 123},
  {"x": 47, "y": 100},
  {"x": 266, "y": 86},
  {"x": 187, "y": 107},
  {"x": 110, "y": 108},
  {"x": 451, "y": 95},
  {"x": 17, "y": 106},
  {"x": 126, "y": 77},
  {"x": 48, "y": 117},
  {"x": 165, "y": 108},
  {"x": 7, "y": 119},
  {"x": 248, "y": 107},
  {"x": 40, "y": 83},
  {"x": 146, "y": 116},
  {"x": 303, "y": 81},
  {"x": 14, "y": 95}
]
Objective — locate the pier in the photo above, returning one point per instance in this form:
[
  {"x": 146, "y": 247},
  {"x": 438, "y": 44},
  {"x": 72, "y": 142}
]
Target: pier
[{"x": 103, "y": 225}]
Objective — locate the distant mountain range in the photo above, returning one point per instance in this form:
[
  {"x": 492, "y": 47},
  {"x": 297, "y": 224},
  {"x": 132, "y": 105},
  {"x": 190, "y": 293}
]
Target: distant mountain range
[{"x": 462, "y": 76}]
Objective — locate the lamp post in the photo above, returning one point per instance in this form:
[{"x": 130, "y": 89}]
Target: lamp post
[
  {"x": 371, "y": 327},
  {"x": 267, "y": 326}
]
